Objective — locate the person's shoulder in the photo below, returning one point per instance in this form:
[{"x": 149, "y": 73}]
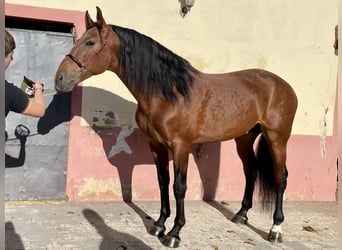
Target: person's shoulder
[
  {"x": 9, "y": 85},
  {"x": 12, "y": 90},
  {"x": 15, "y": 99}
]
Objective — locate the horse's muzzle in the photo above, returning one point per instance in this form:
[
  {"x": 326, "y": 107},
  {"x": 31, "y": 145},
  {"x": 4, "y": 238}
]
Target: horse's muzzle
[{"x": 63, "y": 84}]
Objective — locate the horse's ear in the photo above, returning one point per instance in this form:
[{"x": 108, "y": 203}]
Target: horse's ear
[
  {"x": 99, "y": 18},
  {"x": 88, "y": 20}
]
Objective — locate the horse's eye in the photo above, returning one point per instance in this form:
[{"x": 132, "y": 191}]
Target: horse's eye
[{"x": 90, "y": 43}]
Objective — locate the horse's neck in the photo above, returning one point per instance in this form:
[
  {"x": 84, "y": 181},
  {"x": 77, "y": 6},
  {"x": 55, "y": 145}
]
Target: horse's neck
[{"x": 128, "y": 85}]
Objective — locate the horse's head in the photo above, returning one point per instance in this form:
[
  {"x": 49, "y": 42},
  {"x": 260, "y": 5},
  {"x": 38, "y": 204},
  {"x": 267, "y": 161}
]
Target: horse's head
[{"x": 91, "y": 54}]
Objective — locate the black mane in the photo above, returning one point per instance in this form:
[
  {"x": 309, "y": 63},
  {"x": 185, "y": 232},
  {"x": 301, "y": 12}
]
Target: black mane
[{"x": 150, "y": 68}]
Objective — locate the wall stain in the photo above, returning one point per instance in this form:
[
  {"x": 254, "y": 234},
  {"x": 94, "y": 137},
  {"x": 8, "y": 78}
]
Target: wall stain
[
  {"x": 323, "y": 128},
  {"x": 121, "y": 144},
  {"x": 93, "y": 187},
  {"x": 106, "y": 120}
]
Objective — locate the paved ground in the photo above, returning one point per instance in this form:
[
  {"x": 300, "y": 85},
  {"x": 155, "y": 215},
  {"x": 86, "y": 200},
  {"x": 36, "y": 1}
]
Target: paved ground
[{"x": 119, "y": 225}]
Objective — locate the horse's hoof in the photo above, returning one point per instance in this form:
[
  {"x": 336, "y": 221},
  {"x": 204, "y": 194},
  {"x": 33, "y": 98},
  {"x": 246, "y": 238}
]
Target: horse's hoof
[
  {"x": 157, "y": 231},
  {"x": 238, "y": 219},
  {"x": 275, "y": 237},
  {"x": 171, "y": 241}
]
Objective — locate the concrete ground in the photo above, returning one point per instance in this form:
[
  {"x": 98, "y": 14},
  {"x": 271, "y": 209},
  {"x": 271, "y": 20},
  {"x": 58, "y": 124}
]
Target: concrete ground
[{"x": 119, "y": 225}]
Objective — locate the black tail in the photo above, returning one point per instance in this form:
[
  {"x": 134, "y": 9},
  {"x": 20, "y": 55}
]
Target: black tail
[{"x": 265, "y": 177}]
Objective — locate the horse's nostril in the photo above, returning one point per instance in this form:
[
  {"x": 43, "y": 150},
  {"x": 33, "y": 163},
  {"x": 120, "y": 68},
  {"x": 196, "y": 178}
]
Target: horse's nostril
[{"x": 58, "y": 81}]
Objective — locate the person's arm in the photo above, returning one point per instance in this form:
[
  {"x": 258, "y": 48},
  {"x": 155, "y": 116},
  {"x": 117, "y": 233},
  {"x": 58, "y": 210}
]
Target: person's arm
[{"x": 36, "y": 105}]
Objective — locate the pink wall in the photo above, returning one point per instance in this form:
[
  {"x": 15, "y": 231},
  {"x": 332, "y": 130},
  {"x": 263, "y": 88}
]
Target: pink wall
[
  {"x": 311, "y": 176},
  {"x": 92, "y": 176}
]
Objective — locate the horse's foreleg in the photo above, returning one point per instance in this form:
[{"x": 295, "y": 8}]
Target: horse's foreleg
[
  {"x": 244, "y": 146},
  {"x": 180, "y": 158},
  {"x": 161, "y": 158}
]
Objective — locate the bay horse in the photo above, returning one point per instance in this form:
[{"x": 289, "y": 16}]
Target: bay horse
[{"x": 178, "y": 105}]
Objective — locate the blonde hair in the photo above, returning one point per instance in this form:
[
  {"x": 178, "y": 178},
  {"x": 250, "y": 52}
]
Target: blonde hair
[{"x": 9, "y": 43}]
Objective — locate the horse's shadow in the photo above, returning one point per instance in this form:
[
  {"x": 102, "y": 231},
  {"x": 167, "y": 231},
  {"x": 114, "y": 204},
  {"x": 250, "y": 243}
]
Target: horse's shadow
[
  {"x": 226, "y": 212},
  {"x": 112, "y": 239},
  {"x": 120, "y": 142},
  {"x": 230, "y": 214}
]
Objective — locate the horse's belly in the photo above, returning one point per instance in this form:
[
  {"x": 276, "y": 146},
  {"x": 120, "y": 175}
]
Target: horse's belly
[
  {"x": 221, "y": 135},
  {"x": 225, "y": 128}
]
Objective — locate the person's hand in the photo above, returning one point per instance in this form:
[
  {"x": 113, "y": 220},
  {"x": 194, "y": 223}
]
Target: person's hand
[
  {"x": 37, "y": 86},
  {"x": 36, "y": 105}
]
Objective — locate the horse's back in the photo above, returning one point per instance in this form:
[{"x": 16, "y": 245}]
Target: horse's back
[
  {"x": 234, "y": 102},
  {"x": 262, "y": 85},
  {"x": 258, "y": 78}
]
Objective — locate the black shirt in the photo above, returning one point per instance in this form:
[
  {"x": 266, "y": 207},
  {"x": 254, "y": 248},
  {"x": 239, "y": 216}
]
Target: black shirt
[{"x": 15, "y": 99}]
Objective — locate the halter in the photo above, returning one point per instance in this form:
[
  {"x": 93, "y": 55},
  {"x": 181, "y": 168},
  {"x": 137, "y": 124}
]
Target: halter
[{"x": 84, "y": 65}]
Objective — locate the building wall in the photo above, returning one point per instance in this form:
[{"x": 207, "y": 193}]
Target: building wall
[{"x": 292, "y": 39}]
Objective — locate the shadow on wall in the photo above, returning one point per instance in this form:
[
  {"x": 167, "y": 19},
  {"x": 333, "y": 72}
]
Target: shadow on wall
[
  {"x": 10, "y": 160},
  {"x": 120, "y": 142}
]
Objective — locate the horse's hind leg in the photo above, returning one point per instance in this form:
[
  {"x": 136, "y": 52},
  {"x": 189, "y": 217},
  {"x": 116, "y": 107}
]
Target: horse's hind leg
[
  {"x": 277, "y": 143},
  {"x": 161, "y": 158},
  {"x": 244, "y": 145},
  {"x": 275, "y": 234}
]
